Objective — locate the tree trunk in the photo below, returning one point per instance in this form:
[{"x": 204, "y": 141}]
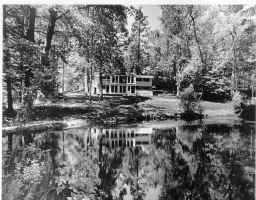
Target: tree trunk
[
  {"x": 90, "y": 85},
  {"x": 31, "y": 26},
  {"x": 178, "y": 81},
  {"x": 30, "y": 36},
  {"x": 101, "y": 83},
  {"x": 233, "y": 76},
  {"x": 63, "y": 76},
  {"x": 9, "y": 95},
  {"x": 138, "y": 55},
  {"x": 49, "y": 36},
  {"x": 28, "y": 72},
  {"x": 6, "y": 62},
  {"x": 203, "y": 70}
]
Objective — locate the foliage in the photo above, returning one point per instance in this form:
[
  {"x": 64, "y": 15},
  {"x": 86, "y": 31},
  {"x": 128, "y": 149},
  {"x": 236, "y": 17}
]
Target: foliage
[
  {"x": 214, "y": 86},
  {"x": 137, "y": 55},
  {"x": 189, "y": 101}
]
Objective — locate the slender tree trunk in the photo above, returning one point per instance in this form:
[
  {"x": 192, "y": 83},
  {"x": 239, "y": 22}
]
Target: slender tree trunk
[
  {"x": 178, "y": 81},
  {"x": 203, "y": 70},
  {"x": 31, "y": 26},
  {"x": 101, "y": 82},
  {"x": 138, "y": 56},
  {"x": 9, "y": 95},
  {"x": 63, "y": 76},
  {"x": 49, "y": 35},
  {"x": 6, "y": 62},
  {"x": 30, "y": 36},
  {"x": 28, "y": 72},
  {"x": 90, "y": 84},
  {"x": 234, "y": 67}
]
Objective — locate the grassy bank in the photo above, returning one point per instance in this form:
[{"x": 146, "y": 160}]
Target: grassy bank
[
  {"x": 109, "y": 112},
  {"x": 170, "y": 105}
]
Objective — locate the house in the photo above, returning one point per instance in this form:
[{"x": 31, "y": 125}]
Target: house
[{"x": 129, "y": 85}]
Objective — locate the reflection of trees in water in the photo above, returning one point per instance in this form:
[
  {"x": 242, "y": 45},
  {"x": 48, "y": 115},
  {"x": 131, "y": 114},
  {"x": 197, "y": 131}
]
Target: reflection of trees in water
[
  {"x": 109, "y": 163},
  {"x": 200, "y": 172},
  {"x": 199, "y": 163},
  {"x": 33, "y": 166}
]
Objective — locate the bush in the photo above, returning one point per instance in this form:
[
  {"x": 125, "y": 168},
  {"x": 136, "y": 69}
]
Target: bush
[
  {"x": 189, "y": 101},
  {"x": 214, "y": 87}
]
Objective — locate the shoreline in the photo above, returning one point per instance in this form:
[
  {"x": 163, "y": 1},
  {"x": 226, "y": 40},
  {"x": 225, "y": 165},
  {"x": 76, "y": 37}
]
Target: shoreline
[{"x": 154, "y": 109}]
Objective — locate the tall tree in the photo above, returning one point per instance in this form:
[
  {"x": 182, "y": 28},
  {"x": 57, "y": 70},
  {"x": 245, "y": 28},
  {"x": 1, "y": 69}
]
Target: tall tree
[
  {"x": 176, "y": 27},
  {"x": 108, "y": 22},
  {"x": 138, "y": 40}
]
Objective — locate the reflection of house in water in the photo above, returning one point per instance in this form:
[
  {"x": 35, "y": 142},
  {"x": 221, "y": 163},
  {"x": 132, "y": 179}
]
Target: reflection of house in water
[{"x": 123, "y": 137}]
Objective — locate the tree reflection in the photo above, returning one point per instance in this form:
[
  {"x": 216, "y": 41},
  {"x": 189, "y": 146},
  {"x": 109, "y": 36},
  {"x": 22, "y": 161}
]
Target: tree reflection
[
  {"x": 200, "y": 172},
  {"x": 182, "y": 163}
]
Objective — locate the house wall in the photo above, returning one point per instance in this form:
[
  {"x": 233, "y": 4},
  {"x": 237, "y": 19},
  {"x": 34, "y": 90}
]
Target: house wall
[
  {"x": 122, "y": 85},
  {"x": 147, "y": 93},
  {"x": 144, "y": 85}
]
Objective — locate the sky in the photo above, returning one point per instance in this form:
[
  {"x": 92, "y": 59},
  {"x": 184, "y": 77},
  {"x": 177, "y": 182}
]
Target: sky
[{"x": 153, "y": 12}]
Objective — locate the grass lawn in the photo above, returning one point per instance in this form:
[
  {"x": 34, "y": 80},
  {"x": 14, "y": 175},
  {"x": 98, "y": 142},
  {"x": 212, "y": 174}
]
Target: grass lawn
[{"x": 171, "y": 105}]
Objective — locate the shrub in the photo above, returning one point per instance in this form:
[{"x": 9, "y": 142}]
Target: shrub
[
  {"x": 189, "y": 101},
  {"x": 215, "y": 87}
]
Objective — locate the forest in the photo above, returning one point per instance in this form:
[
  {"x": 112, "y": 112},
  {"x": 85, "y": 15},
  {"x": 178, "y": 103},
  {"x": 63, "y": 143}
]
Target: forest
[{"x": 52, "y": 49}]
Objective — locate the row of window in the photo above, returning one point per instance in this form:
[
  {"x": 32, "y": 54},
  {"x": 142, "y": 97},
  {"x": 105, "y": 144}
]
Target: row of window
[
  {"x": 122, "y": 79},
  {"x": 143, "y": 79},
  {"x": 122, "y": 89},
  {"x": 120, "y": 143},
  {"x": 120, "y": 135}
]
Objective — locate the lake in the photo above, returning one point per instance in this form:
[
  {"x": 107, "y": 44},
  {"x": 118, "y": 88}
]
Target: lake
[{"x": 210, "y": 159}]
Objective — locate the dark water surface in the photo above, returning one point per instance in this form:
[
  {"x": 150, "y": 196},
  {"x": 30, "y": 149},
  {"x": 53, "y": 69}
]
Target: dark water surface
[{"x": 151, "y": 161}]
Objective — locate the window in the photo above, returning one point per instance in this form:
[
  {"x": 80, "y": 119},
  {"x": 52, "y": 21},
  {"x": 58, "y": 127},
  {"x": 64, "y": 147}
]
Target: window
[
  {"x": 131, "y": 79},
  {"x": 132, "y": 89},
  {"x": 121, "y": 89},
  {"x": 122, "y": 79},
  {"x": 113, "y": 79},
  {"x": 129, "y": 88},
  {"x": 107, "y": 89},
  {"x": 132, "y": 134},
  {"x": 116, "y": 89},
  {"x": 128, "y": 79},
  {"x": 124, "y": 89},
  {"x": 143, "y": 87},
  {"x": 112, "y": 88},
  {"x": 95, "y": 90}
]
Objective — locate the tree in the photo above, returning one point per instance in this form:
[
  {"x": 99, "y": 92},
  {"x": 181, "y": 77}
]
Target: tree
[
  {"x": 234, "y": 31},
  {"x": 107, "y": 23},
  {"x": 176, "y": 28},
  {"x": 20, "y": 49},
  {"x": 137, "y": 53}
]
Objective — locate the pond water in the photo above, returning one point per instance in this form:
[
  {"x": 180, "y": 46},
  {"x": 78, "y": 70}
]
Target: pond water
[{"x": 156, "y": 160}]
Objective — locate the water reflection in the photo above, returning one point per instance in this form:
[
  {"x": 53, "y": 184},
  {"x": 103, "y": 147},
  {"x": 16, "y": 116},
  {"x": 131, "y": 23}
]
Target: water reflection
[{"x": 183, "y": 162}]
